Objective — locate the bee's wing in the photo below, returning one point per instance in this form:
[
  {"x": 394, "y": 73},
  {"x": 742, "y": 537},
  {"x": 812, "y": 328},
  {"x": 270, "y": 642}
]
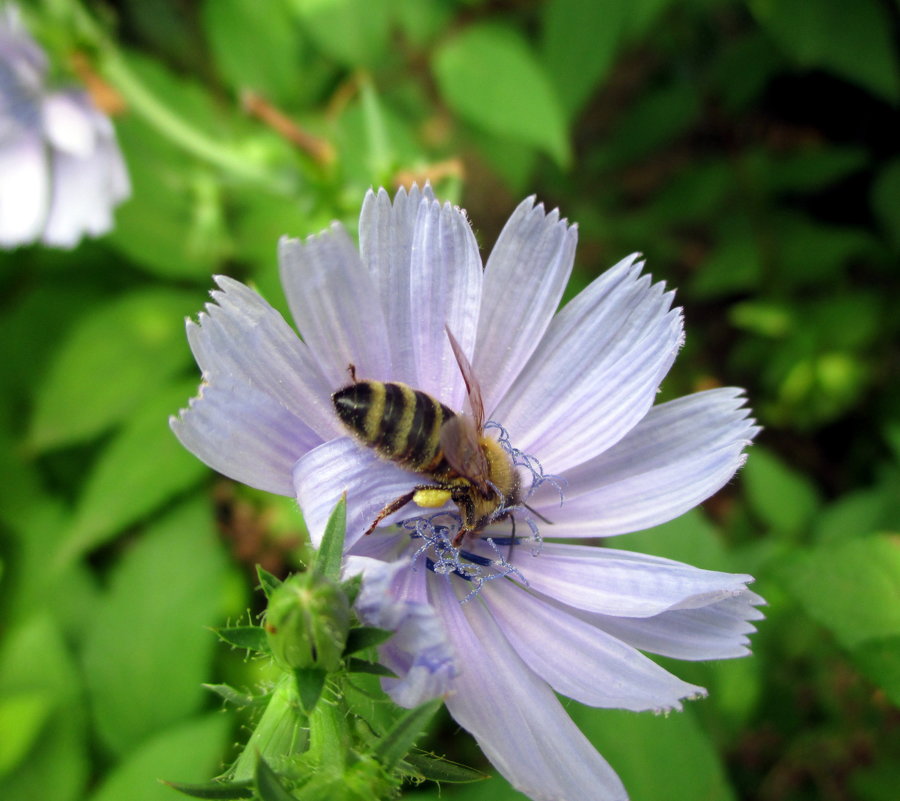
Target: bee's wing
[
  {"x": 472, "y": 387},
  {"x": 459, "y": 442}
]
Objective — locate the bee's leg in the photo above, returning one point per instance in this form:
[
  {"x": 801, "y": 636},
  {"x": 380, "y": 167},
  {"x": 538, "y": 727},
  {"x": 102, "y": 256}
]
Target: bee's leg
[
  {"x": 399, "y": 503},
  {"x": 466, "y": 506},
  {"x": 512, "y": 544},
  {"x": 393, "y": 506}
]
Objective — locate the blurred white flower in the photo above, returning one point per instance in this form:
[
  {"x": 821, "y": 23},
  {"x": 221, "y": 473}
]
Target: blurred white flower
[{"x": 61, "y": 171}]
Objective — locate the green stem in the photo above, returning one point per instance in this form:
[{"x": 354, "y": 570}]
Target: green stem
[
  {"x": 143, "y": 102},
  {"x": 329, "y": 735}
]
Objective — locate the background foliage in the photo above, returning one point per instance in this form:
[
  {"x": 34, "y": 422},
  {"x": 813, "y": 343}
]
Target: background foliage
[{"x": 749, "y": 149}]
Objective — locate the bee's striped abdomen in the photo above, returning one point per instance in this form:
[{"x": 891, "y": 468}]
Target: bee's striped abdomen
[{"x": 402, "y": 424}]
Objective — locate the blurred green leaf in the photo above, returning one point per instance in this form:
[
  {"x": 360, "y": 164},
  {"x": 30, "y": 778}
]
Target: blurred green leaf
[
  {"x": 124, "y": 485},
  {"x": 395, "y": 743},
  {"x": 192, "y": 751},
  {"x": 147, "y": 653},
  {"x": 22, "y": 715},
  {"x": 879, "y": 660},
  {"x": 850, "y": 40},
  {"x": 214, "y": 789},
  {"x": 112, "y": 358},
  {"x": 353, "y": 32},
  {"x": 858, "y": 513},
  {"x": 657, "y": 756},
  {"x": 760, "y": 317},
  {"x": 34, "y": 659},
  {"x": 423, "y": 20},
  {"x": 886, "y": 200},
  {"x": 850, "y": 588},
  {"x": 813, "y": 169},
  {"x": 489, "y": 76},
  {"x": 784, "y": 498},
  {"x": 269, "y": 785},
  {"x": 690, "y": 538},
  {"x": 253, "y": 638},
  {"x": 253, "y": 50},
  {"x": 579, "y": 43},
  {"x": 735, "y": 264}
]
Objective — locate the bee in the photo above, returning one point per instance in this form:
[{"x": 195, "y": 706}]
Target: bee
[{"x": 449, "y": 449}]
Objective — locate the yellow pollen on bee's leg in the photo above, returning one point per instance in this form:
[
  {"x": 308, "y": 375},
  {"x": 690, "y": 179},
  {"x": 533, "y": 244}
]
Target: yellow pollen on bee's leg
[{"x": 431, "y": 498}]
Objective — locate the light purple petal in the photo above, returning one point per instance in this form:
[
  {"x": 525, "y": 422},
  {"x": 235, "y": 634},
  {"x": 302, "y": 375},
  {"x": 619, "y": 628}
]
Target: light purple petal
[
  {"x": 69, "y": 124},
  {"x": 333, "y": 299},
  {"x": 241, "y": 337},
  {"x": 394, "y": 597},
  {"x": 717, "y": 631},
  {"x": 514, "y": 715},
  {"x": 676, "y": 457},
  {"x": 622, "y": 583},
  {"x": 444, "y": 292},
  {"x": 597, "y": 369},
  {"x": 524, "y": 280},
  {"x": 343, "y": 465},
  {"x": 579, "y": 660},
  {"x": 24, "y": 190},
  {"x": 386, "y": 232},
  {"x": 244, "y": 435}
]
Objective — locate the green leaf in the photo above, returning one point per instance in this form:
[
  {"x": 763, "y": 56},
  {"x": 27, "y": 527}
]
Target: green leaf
[
  {"x": 112, "y": 359},
  {"x": 192, "y": 750},
  {"x": 310, "y": 683},
  {"x": 438, "y": 769},
  {"x": 235, "y": 697},
  {"x": 164, "y": 591},
  {"x": 851, "y": 588},
  {"x": 784, "y": 498},
  {"x": 579, "y": 44},
  {"x": 269, "y": 785},
  {"x": 35, "y": 659},
  {"x": 22, "y": 715},
  {"x": 214, "y": 789},
  {"x": 879, "y": 660},
  {"x": 833, "y": 35},
  {"x": 374, "y": 668},
  {"x": 331, "y": 550},
  {"x": 395, "y": 744},
  {"x": 489, "y": 76},
  {"x": 252, "y": 638},
  {"x": 886, "y": 200},
  {"x": 365, "y": 637},
  {"x": 253, "y": 50},
  {"x": 267, "y": 581},
  {"x": 124, "y": 485},
  {"x": 657, "y": 756},
  {"x": 353, "y": 32}
]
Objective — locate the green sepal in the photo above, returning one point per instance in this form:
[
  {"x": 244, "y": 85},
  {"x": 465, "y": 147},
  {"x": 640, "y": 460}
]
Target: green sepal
[
  {"x": 395, "y": 744},
  {"x": 376, "y": 669},
  {"x": 235, "y": 697},
  {"x": 267, "y": 582},
  {"x": 365, "y": 637},
  {"x": 310, "y": 683},
  {"x": 268, "y": 784},
  {"x": 253, "y": 638},
  {"x": 214, "y": 789},
  {"x": 351, "y": 588},
  {"x": 438, "y": 769},
  {"x": 328, "y": 557}
]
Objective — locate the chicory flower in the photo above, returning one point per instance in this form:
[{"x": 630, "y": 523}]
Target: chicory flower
[
  {"x": 498, "y": 622},
  {"x": 61, "y": 171}
]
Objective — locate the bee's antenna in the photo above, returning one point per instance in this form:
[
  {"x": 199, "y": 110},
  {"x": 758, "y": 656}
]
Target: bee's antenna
[{"x": 351, "y": 368}]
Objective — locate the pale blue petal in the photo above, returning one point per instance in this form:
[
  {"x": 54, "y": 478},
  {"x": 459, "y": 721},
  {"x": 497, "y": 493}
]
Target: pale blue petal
[
  {"x": 343, "y": 465},
  {"x": 444, "y": 292},
  {"x": 597, "y": 370},
  {"x": 622, "y": 583},
  {"x": 333, "y": 299},
  {"x": 717, "y": 631},
  {"x": 513, "y": 714},
  {"x": 386, "y": 231},
  {"x": 524, "y": 280},
  {"x": 393, "y": 596},
  {"x": 579, "y": 660},
  {"x": 242, "y": 338},
  {"x": 244, "y": 434}
]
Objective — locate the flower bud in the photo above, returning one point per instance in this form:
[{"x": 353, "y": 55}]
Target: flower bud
[{"x": 307, "y": 622}]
